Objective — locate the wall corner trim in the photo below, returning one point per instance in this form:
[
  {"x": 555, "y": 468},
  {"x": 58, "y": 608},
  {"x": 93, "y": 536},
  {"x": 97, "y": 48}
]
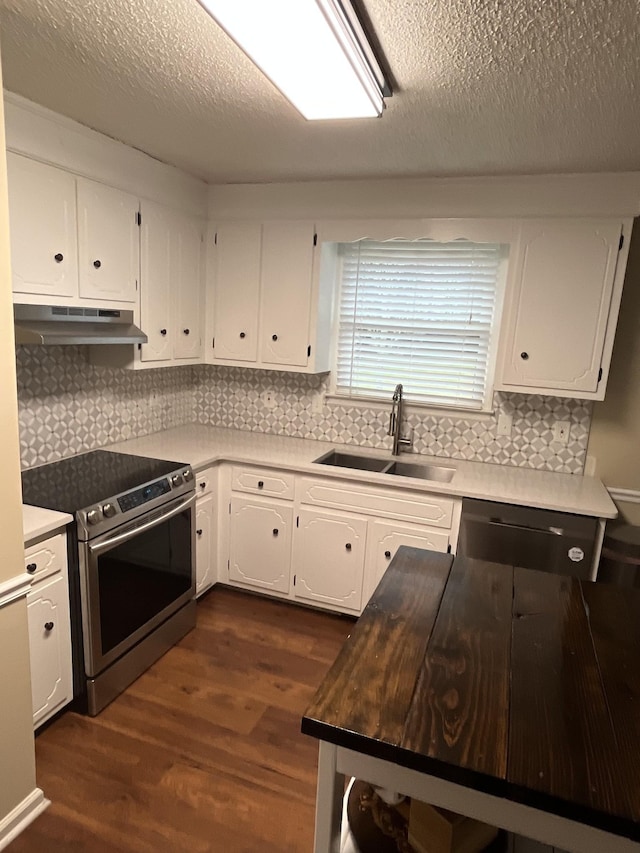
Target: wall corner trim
[
  {"x": 21, "y": 816},
  {"x": 16, "y": 587}
]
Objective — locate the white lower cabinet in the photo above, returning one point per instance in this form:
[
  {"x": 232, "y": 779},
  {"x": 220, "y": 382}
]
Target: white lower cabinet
[
  {"x": 328, "y": 555},
  {"x": 260, "y": 543},
  {"x": 205, "y": 561},
  {"x": 50, "y": 646},
  {"x": 384, "y": 539}
]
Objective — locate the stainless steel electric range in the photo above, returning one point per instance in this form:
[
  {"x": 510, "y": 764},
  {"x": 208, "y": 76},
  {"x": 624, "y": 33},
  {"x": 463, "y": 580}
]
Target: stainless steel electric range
[{"x": 131, "y": 553}]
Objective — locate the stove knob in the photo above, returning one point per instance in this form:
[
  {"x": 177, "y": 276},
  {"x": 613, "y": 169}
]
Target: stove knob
[
  {"x": 109, "y": 510},
  {"x": 188, "y": 475},
  {"x": 94, "y": 516},
  {"x": 176, "y": 479}
]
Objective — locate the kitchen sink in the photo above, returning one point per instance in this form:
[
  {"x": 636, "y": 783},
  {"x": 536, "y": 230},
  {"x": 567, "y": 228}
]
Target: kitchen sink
[
  {"x": 437, "y": 473},
  {"x": 353, "y": 460}
]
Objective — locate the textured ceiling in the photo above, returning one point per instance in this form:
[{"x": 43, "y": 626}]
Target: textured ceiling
[{"x": 484, "y": 87}]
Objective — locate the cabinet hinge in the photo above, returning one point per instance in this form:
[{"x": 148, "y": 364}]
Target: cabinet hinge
[
  {"x": 228, "y": 566},
  {"x": 213, "y": 343},
  {"x": 449, "y": 548},
  {"x": 139, "y": 218},
  {"x": 309, "y": 350},
  {"x": 599, "y": 374},
  {"x": 294, "y": 579},
  {"x": 139, "y": 346},
  {"x": 621, "y": 243},
  {"x": 215, "y": 239},
  {"x": 297, "y": 521},
  {"x": 229, "y": 508},
  {"x": 315, "y": 239},
  {"x": 136, "y": 284}
]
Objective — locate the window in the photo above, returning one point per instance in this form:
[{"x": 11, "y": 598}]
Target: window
[{"x": 421, "y": 313}]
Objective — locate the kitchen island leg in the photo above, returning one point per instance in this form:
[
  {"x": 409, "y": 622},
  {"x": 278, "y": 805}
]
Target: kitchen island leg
[{"x": 329, "y": 796}]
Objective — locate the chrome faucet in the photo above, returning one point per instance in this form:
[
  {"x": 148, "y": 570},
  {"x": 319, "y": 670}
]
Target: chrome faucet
[{"x": 395, "y": 422}]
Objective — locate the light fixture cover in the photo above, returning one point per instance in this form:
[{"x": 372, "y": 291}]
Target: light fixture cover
[{"x": 314, "y": 51}]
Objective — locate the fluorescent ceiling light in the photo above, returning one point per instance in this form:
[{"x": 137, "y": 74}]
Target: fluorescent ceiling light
[{"x": 314, "y": 51}]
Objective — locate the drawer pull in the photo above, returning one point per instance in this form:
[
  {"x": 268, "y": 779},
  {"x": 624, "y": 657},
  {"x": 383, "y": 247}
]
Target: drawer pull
[
  {"x": 275, "y": 531},
  {"x": 242, "y": 335},
  {"x": 58, "y": 257},
  {"x": 203, "y": 485},
  {"x": 387, "y": 554},
  {"x": 199, "y": 532},
  {"x": 524, "y": 356},
  {"x": 32, "y": 568},
  {"x": 348, "y": 546},
  {"x": 261, "y": 484},
  {"x": 48, "y": 626},
  {"x": 163, "y": 332},
  {"x": 97, "y": 264},
  {"x": 186, "y": 331},
  {"x": 274, "y": 337}
]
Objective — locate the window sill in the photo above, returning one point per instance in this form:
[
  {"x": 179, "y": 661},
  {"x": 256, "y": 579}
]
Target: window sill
[{"x": 424, "y": 409}]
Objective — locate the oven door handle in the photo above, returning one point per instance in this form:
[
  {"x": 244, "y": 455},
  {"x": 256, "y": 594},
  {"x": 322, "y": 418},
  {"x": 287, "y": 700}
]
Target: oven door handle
[{"x": 107, "y": 544}]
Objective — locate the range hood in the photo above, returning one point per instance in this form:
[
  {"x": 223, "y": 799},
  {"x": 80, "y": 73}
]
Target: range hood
[{"x": 54, "y": 325}]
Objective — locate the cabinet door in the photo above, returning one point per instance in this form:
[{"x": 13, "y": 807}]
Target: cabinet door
[
  {"x": 42, "y": 214},
  {"x": 50, "y": 647},
  {"x": 260, "y": 543},
  {"x": 564, "y": 273},
  {"x": 187, "y": 278},
  {"x": 204, "y": 544},
  {"x": 384, "y": 539},
  {"x": 109, "y": 243},
  {"x": 155, "y": 282},
  {"x": 286, "y": 280},
  {"x": 328, "y": 557},
  {"x": 237, "y": 292}
]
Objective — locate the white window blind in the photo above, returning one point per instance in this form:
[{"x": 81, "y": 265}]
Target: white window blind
[{"x": 420, "y": 313}]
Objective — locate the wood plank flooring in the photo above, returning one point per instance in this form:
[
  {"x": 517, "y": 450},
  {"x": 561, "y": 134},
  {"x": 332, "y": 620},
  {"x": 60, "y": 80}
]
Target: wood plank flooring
[{"x": 204, "y": 752}]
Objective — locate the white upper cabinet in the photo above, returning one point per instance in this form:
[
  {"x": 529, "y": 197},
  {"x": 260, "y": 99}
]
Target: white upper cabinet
[
  {"x": 562, "y": 306},
  {"x": 271, "y": 309},
  {"x": 171, "y": 284},
  {"x": 108, "y": 242},
  {"x": 44, "y": 249},
  {"x": 286, "y": 281},
  {"x": 187, "y": 281},
  {"x": 236, "y": 292}
]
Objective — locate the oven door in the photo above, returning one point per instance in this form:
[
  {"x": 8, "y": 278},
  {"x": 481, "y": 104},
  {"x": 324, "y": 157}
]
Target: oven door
[{"x": 133, "y": 578}]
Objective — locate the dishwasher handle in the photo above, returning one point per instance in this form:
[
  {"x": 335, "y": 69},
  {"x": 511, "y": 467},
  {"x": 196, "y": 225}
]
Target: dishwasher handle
[{"x": 555, "y": 531}]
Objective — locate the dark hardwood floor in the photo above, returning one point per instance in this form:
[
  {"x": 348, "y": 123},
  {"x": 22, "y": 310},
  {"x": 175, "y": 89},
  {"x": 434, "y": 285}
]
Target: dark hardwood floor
[{"x": 204, "y": 751}]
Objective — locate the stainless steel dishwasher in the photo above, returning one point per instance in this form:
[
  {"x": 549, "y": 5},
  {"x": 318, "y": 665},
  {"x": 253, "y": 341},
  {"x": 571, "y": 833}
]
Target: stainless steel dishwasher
[{"x": 556, "y": 542}]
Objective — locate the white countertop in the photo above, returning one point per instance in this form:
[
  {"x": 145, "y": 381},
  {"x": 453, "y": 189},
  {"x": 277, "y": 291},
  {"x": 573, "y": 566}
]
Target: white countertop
[
  {"x": 200, "y": 445},
  {"x": 37, "y": 522}
]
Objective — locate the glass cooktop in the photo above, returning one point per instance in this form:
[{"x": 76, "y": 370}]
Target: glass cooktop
[{"x": 82, "y": 481}]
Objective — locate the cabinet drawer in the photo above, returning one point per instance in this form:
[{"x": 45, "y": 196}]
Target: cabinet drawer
[
  {"x": 204, "y": 482},
  {"x": 418, "y": 507},
  {"x": 263, "y": 482},
  {"x": 46, "y": 557}
]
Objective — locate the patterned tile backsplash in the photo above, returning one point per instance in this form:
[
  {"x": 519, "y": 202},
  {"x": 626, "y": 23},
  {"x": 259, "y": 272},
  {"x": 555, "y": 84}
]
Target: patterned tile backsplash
[{"x": 67, "y": 406}]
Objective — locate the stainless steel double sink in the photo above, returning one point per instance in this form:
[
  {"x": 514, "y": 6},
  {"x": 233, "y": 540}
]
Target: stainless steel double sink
[{"x": 354, "y": 461}]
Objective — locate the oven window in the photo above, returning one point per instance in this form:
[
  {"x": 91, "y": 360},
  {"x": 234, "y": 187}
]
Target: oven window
[{"x": 142, "y": 577}]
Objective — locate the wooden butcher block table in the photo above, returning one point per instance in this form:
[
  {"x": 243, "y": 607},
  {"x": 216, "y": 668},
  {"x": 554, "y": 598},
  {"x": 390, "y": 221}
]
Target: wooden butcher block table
[{"x": 507, "y": 695}]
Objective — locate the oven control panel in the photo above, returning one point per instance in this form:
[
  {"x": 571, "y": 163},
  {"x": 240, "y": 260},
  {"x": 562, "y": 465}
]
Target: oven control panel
[{"x": 147, "y": 493}]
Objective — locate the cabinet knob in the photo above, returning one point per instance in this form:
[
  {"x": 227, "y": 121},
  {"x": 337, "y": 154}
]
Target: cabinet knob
[
  {"x": 186, "y": 331},
  {"x": 524, "y": 355},
  {"x": 203, "y": 485},
  {"x": 48, "y": 626},
  {"x": 348, "y": 546},
  {"x": 275, "y": 531},
  {"x": 242, "y": 335},
  {"x": 163, "y": 332},
  {"x": 274, "y": 337},
  {"x": 32, "y": 568},
  {"x": 97, "y": 264},
  {"x": 58, "y": 258},
  {"x": 387, "y": 554},
  {"x": 199, "y": 532},
  {"x": 260, "y": 484}
]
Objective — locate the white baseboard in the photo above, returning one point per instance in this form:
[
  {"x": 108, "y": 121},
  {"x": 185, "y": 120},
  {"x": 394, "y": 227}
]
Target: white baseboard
[{"x": 19, "y": 818}]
